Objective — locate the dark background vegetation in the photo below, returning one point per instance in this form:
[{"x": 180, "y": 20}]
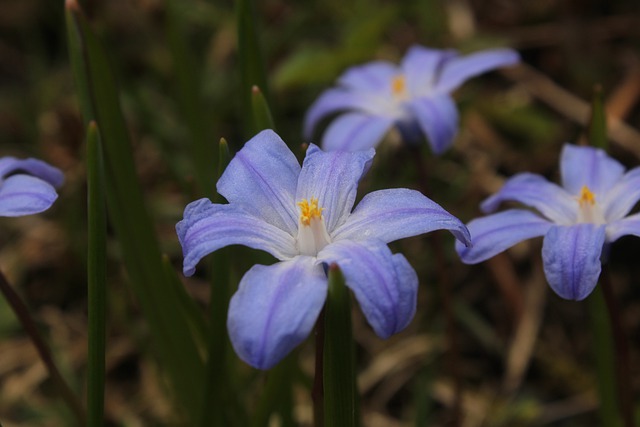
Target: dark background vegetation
[{"x": 524, "y": 355}]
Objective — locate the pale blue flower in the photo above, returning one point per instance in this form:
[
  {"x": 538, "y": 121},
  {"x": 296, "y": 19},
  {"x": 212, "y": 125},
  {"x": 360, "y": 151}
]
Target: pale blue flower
[
  {"x": 589, "y": 211},
  {"x": 304, "y": 218},
  {"x": 27, "y": 186},
  {"x": 415, "y": 97}
]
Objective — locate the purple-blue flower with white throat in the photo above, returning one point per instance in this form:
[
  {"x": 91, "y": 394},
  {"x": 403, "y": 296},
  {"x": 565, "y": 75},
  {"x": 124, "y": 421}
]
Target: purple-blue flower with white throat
[
  {"x": 414, "y": 97},
  {"x": 591, "y": 209},
  {"x": 303, "y": 216},
  {"x": 27, "y": 186}
]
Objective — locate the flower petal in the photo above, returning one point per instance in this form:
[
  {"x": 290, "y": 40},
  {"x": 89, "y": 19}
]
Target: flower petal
[
  {"x": 421, "y": 67},
  {"x": 333, "y": 101},
  {"x": 533, "y": 190},
  {"x": 384, "y": 284},
  {"x": 622, "y": 197},
  {"x": 261, "y": 179},
  {"x": 459, "y": 69},
  {"x": 25, "y": 195},
  {"x": 495, "y": 233},
  {"x": 207, "y": 227},
  {"x": 333, "y": 179},
  {"x": 438, "y": 118},
  {"x": 35, "y": 167},
  {"x": 571, "y": 258},
  {"x": 588, "y": 166},
  {"x": 275, "y": 309},
  {"x": 623, "y": 227},
  {"x": 397, "y": 213},
  {"x": 374, "y": 76},
  {"x": 355, "y": 131}
]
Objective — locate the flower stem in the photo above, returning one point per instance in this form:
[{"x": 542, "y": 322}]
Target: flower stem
[
  {"x": 339, "y": 382},
  {"x": 623, "y": 371},
  {"x": 22, "y": 313},
  {"x": 317, "y": 392}
]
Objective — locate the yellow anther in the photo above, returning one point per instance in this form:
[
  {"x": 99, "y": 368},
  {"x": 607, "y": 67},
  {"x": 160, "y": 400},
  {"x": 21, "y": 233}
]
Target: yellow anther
[
  {"x": 398, "y": 85},
  {"x": 586, "y": 197},
  {"x": 308, "y": 210}
]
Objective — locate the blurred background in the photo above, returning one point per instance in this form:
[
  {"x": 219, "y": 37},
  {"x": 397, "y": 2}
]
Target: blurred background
[{"x": 521, "y": 355}]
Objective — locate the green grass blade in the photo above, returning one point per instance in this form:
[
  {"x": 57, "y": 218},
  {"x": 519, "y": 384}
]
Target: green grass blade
[
  {"x": 188, "y": 87},
  {"x": 252, "y": 69},
  {"x": 262, "y": 118},
  {"x": 598, "y": 122},
  {"x": 96, "y": 277},
  {"x": 174, "y": 342},
  {"x": 339, "y": 355}
]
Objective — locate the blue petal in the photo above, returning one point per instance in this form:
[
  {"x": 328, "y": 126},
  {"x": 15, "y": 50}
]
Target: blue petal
[
  {"x": 459, "y": 69},
  {"x": 438, "y": 118},
  {"x": 421, "y": 67},
  {"x": 355, "y": 131},
  {"x": 332, "y": 101},
  {"x": 588, "y": 166},
  {"x": 533, "y": 190},
  {"x": 571, "y": 258},
  {"x": 394, "y": 214},
  {"x": 623, "y": 227},
  {"x": 207, "y": 227},
  {"x": 622, "y": 197},
  {"x": 384, "y": 284},
  {"x": 261, "y": 179},
  {"x": 333, "y": 179},
  {"x": 25, "y": 195},
  {"x": 35, "y": 167},
  {"x": 495, "y": 233},
  {"x": 275, "y": 309},
  {"x": 374, "y": 76}
]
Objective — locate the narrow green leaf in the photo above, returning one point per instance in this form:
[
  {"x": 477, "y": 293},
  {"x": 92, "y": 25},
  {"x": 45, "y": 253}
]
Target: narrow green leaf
[
  {"x": 96, "y": 277},
  {"x": 252, "y": 69},
  {"x": 218, "y": 408},
  {"x": 603, "y": 348},
  {"x": 339, "y": 355},
  {"x": 172, "y": 335},
  {"x": 262, "y": 118},
  {"x": 277, "y": 395},
  {"x": 598, "y": 122},
  {"x": 188, "y": 87}
]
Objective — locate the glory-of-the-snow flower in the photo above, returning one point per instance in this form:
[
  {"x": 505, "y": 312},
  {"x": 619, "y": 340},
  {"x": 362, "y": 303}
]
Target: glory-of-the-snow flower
[
  {"x": 27, "y": 186},
  {"x": 303, "y": 216},
  {"x": 415, "y": 97},
  {"x": 577, "y": 220}
]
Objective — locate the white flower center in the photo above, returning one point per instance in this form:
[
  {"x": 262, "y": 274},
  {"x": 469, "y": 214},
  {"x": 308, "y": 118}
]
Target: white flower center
[
  {"x": 399, "y": 88},
  {"x": 312, "y": 233},
  {"x": 589, "y": 211}
]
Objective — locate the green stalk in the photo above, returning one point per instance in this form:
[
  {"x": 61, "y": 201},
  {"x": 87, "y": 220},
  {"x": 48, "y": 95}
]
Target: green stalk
[
  {"x": 339, "y": 355},
  {"x": 603, "y": 348},
  {"x": 96, "y": 277},
  {"x": 261, "y": 114},
  {"x": 252, "y": 69},
  {"x": 216, "y": 392}
]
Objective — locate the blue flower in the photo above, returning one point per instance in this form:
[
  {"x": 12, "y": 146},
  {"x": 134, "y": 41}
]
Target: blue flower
[
  {"x": 27, "y": 186},
  {"x": 414, "y": 97},
  {"x": 303, "y": 217},
  {"x": 576, "y": 220}
]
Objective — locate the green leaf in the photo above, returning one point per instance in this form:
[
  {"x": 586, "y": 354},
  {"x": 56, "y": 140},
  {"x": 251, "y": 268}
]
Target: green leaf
[
  {"x": 188, "y": 86},
  {"x": 96, "y": 276},
  {"x": 252, "y": 69},
  {"x": 339, "y": 355},
  {"x": 598, "y": 122},
  {"x": 262, "y": 118},
  {"x": 172, "y": 336}
]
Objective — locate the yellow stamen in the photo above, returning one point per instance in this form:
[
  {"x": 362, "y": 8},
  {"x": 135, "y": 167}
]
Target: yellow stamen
[
  {"x": 398, "y": 85},
  {"x": 586, "y": 197},
  {"x": 309, "y": 210}
]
